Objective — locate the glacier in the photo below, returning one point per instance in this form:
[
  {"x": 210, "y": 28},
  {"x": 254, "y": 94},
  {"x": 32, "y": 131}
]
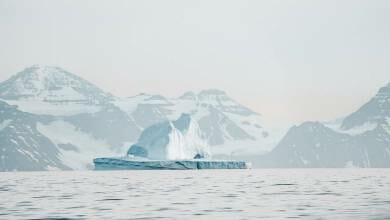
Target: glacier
[{"x": 173, "y": 145}]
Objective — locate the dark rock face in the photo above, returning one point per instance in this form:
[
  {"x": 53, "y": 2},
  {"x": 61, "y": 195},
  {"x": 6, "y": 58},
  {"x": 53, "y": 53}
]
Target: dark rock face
[{"x": 22, "y": 146}]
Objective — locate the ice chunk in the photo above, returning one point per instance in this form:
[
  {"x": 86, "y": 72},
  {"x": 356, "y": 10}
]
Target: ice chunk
[
  {"x": 128, "y": 163},
  {"x": 175, "y": 145},
  {"x": 176, "y": 140}
]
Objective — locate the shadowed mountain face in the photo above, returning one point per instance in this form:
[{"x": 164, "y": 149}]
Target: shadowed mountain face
[
  {"x": 63, "y": 121},
  {"x": 362, "y": 139},
  {"x": 23, "y": 147}
]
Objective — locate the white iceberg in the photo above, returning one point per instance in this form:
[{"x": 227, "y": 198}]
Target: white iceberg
[
  {"x": 171, "y": 140},
  {"x": 128, "y": 163},
  {"x": 173, "y": 145}
]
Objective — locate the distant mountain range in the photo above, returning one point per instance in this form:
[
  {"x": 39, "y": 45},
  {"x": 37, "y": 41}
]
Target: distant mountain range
[
  {"x": 362, "y": 139},
  {"x": 52, "y": 119}
]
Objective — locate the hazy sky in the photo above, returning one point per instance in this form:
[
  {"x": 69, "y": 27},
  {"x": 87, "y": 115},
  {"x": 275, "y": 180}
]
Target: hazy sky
[{"x": 289, "y": 60}]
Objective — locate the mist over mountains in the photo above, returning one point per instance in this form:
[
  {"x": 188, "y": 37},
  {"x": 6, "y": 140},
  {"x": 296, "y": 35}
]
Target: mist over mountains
[{"x": 52, "y": 119}]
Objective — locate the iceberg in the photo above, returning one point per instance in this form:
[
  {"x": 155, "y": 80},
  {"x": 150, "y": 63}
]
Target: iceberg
[
  {"x": 169, "y": 145},
  {"x": 128, "y": 163},
  {"x": 171, "y": 140}
]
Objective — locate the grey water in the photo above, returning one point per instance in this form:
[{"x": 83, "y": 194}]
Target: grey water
[{"x": 199, "y": 194}]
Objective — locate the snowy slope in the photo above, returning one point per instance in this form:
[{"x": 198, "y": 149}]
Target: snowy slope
[
  {"x": 44, "y": 142},
  {"x": 52, "y": 90},
  {"x": 76, "y": 148},
  {"x": 22, "y": 146}
]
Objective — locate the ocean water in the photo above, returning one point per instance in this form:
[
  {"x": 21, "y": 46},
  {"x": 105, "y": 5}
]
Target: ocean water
[{"x": 198, "y": 194}]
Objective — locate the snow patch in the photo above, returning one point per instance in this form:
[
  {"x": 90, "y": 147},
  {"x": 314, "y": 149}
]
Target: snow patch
[
  {"x": 353, "y": 131},
  {"x": 61, "y": 132},
  {"x": 53, "y": 108}
]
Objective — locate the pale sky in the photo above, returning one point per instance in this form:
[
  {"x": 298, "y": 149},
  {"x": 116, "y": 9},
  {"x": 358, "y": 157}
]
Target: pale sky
[{"x": 288, "y": 60}]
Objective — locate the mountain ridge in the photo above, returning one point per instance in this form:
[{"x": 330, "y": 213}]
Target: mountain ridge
[
  {"x": 89, "y": 122},
  {"x": 362, "y": 139}
]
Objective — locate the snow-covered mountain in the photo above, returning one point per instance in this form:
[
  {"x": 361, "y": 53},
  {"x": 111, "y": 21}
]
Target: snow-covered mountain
[
  {"x": 78, "y": 121},
  {"x": 226, "y": 125},
  {"x": 52, "y": 119},
  {"x": 52, "y": 90},
  {"x": 374, "y": 112},
  {"x": 171, "y": 140},
  {"x": 51, "y": 84},
  {"x": 362, "y": 139}
]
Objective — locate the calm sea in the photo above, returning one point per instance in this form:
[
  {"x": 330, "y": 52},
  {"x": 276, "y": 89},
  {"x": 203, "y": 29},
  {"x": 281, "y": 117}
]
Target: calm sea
[{"x": 200, "y": 194}]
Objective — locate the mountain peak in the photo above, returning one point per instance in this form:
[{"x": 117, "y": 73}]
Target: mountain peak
[
  {"x": 384, "y": 92},
  {"x": 37, "y": 65},
  {"x": 212, "y": 92},
  {"x": 156, "y": 98},
  {"x": 375, "y": 111},
  {"x": 220, "y": 100},
  {"x": 47, "y": 68},
  {"x": 39, "y": 82},
  {"x": 213, "y": 95},
  {"x": 190, "y": 95}
]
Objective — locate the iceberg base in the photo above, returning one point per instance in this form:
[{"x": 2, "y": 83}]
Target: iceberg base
[{"x": 126, "y": 163}]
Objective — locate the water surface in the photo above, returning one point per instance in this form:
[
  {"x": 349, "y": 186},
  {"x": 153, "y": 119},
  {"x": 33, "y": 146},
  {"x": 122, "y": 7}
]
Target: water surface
[{"x": 198, "y": 194}]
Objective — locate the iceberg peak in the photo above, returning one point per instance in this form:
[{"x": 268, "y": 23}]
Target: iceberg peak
[{"x": 171, "y": 140}]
